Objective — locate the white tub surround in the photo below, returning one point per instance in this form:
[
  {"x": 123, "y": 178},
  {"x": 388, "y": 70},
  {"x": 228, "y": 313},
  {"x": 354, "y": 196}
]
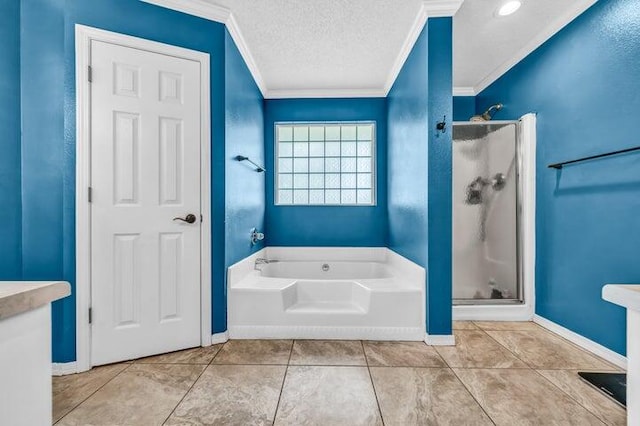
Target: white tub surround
[
  {"x": 628, "y": 296},
  {"x": 327, "y": 293},
  {"x": 25, "y": 350}
]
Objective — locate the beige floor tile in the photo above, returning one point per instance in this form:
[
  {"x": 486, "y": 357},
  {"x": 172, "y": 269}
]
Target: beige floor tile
[
  {"x": 328, "y": 396},
  {"x": 402, "y": 354},
  {"x": 254, "y": 352},
  {"x": 593, "y": 400},
  {"x": 523, "y": 397},
  {"x": 544, "y": 350},
  {"x": 425, "y": 396},
  {"x": 188, "y": 356},
  {"x": 507, "y": 325},
  {"x": 232, "y": 395},
  {"x": 464, "y": 325},
  {"x": 475, "y": 349},
  {"x": 71, "y": 390},
  {"x": 144, "y": 394},
  {"x": 327, "y": 352}
]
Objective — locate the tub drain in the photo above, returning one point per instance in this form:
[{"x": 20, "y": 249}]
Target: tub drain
[{"x": 325, "y": 267}]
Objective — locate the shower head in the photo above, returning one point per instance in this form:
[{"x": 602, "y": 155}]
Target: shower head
[{"x": 486, "y": 116}]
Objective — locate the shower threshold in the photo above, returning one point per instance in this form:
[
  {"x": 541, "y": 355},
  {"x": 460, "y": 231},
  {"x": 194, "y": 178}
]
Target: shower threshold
[{"x": 487, "y": 302}]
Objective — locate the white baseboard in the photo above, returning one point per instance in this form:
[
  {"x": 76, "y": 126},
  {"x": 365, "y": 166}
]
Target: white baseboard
[
  {"x": 440, "y": 339},
  {"x": 329, "y": 333},
  {"x": 219, "y": 338},
  {"x": 587, "y": 344},
  {"x": 64, "y": 368}
]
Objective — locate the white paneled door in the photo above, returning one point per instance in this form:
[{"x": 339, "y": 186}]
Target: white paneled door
[{"x": 145, "y": 207}]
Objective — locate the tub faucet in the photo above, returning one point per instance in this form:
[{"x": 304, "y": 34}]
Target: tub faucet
[{"x": 263, "y": 261}]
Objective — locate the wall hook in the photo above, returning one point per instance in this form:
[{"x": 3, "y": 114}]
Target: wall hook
[{"x": 441, "y": 126}]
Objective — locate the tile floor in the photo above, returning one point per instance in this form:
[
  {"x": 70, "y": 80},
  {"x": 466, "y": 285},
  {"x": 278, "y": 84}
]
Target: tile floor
[{"x": 499, "y": 373}]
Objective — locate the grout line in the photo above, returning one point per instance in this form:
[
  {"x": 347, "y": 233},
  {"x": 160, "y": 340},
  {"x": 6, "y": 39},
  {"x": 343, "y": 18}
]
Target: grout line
[
  {"x": 218, "y": 353},
  {"x": 465, "y": 386},
  {"x": 375, "y": 394},
  {"x": 472, "y": 395},
  {"x": 570, "y": 396},
  {"x": 94, "y": 392},
  {"x": 186, "y": 393},
  {"x": 247, "y": 363},
  {"x": 581, "y": 349},
  {"x": 284, "y": 378},
  {"x": 509, "y": 350}
]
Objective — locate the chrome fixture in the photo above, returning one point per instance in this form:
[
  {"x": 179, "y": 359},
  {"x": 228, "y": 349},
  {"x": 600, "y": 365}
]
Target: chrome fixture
[
  {"x": 487, "y": 115},
  {"x": 475, "y": 188},
  {"x": 262, "y": 261},
  {"x": 326, "y": 267},
  {"x": 256, "y": 236}
]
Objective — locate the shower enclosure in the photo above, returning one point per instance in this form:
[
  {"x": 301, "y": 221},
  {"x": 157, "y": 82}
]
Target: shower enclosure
[{"x": 487, "y": 267}]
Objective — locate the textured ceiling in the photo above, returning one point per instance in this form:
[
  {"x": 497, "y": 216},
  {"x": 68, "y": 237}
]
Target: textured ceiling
[
  {"x": 310, "y": 47},
  {"x": 328, "y": 44},
  {"x": 485, "y": 45}
]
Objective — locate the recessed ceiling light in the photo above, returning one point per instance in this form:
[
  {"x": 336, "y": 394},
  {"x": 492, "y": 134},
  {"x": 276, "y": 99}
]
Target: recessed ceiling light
[{"x": 509, "y": 7}]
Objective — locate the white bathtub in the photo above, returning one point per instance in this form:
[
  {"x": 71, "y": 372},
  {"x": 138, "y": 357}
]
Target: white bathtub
[{"x": 327, "y": 293}]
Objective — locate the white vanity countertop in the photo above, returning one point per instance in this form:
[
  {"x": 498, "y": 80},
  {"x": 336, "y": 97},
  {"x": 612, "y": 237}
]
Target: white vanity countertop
[
  {"x": 627, "y": 295},
  {"x": 17, "y": 297}
]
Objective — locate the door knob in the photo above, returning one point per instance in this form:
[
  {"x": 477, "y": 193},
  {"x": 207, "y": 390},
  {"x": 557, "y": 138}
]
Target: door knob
[{"x": 190, "y": 218}]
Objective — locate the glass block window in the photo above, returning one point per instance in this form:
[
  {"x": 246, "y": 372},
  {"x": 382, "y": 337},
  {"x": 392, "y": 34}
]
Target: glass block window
[{"x": 325, "y": 163}]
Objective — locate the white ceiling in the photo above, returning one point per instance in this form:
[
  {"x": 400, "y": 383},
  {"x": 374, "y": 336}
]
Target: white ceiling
[
  {"x": 486, "y": 46},
  {"x": 352, "y": 48},
  {"x": 324, "y": 45}
]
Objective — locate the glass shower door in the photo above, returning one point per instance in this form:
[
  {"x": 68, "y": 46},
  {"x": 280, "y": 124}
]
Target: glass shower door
[{"x": 485, "y": 213}]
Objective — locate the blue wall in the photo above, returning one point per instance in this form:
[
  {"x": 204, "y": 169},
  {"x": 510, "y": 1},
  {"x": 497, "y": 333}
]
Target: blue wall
[
  {"x": 439, "y": 273},
  {"x": 584, "y": 86},
  {"x": 43, "y": 159},
  {"x": 320, "y": 225},
  {"x": 420, "y": 166},
  {"x": 464, "y": 107},
  {"x": 408, "y": 120},
  {"x": 245, "y": 196},
  {"x": 10, "y": 214},
  {"x": 48, "y": 144}
]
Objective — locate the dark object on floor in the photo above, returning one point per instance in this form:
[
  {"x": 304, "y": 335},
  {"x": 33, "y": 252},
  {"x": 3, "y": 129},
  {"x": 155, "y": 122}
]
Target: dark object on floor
[
  {"x": 613, "y": 385},
  {"x": 496, "y": 294}
]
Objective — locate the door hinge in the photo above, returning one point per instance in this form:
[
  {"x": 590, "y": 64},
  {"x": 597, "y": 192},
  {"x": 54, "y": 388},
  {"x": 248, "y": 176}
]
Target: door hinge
[
  {"x": 90, "y": 315},
  {"x": 90, "y": 194},
  {"x": 90, "y": 74}
]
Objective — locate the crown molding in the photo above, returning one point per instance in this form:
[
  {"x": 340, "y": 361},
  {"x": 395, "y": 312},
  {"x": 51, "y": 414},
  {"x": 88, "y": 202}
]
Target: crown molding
[
  {"x": 576, "y": 9},
  {"x": 324, "y": 93},
  {"x": 216, "y": 13},
  {"x": 243, "y": 47},
  {"x": 199, "y": 8},
  {"x": 464, "y": 91},
  {"x": 441, "y": 8},
  {"x": 428, "y": 9}
]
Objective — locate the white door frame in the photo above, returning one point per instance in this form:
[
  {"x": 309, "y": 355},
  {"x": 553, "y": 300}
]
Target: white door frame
[{"x": 84, "y": 36}]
